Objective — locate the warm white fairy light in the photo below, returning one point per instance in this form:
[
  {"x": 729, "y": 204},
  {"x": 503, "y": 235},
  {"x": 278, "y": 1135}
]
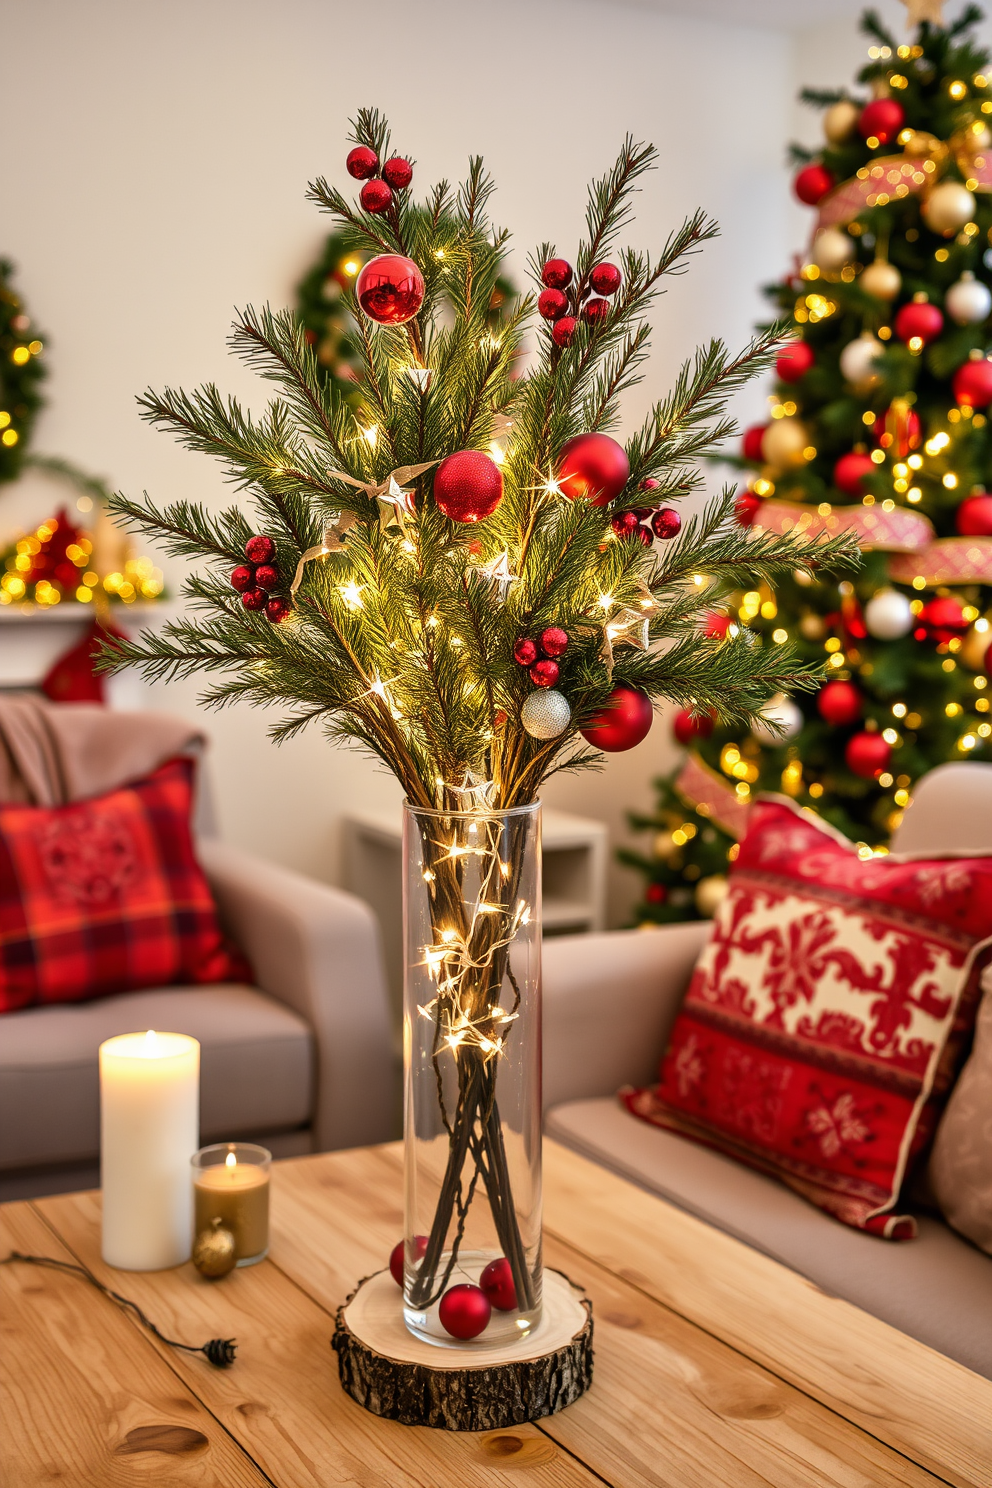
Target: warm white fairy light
[{"x": 352, "y": 595}]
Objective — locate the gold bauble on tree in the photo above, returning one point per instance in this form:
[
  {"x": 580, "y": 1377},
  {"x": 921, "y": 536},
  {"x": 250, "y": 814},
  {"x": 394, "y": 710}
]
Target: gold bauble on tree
[
  {"x": 948, "y": 207},
  {"x": 881, "y": 280},
  {"x": 832, "y": 250},
  {"x": 665, "y": 846},
  {"x": 839, "y": 121},
  {"x": 974, "y": 646},
  {"x": 783, "y": 443},
  {"x": 710, "y": 894}
]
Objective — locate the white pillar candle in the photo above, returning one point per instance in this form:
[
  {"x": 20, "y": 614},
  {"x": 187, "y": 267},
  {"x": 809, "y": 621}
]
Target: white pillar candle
[{"x": 149, "y": 1130}]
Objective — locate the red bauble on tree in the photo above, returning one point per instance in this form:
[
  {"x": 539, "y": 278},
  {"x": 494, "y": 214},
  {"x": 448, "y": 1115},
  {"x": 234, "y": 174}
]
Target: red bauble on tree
[
  {"x": 362, "y": 162},
  {"x": 605, "y": 278},
  {"x": 850, "y": 472},
  {"x": 794, "y": 361},
  {"x": 497, "y": 1283},
  {"x": 554, "y": 641},
  {"x": 898, "y": 429},
  {"x": 751, "y": 443},
  {"x": 594, "y": 312},
  {"x": 941, "y": 620},
  {"x": 918, "y": 321},
  {"x": 746, "y": 508},
  {"x": 839, "y": 703},
  {"x": 624, "y": 721},
  {"x": 254, "y": 599},
  {"x": 468, "y": 486},
  {"x": 563, "y": 330},
  {"x": 666, "y": 522},
  {"x": 545, "y": 673},
  {"x": 655, "y": 893},
  {"x": 717, "y": 626},
  {"x": 557, "y": 273},
  {"x": 390, "y": 289},
  {"x": 375, "y": 196},
  {"x": 278, "y": 608},
  {"x": 524, "y": 651},
  {"x": 552, "y": 304},
  {"x": 812, "y": 183},
  {"x": 974, "y": 516},
  {"x": 260, "y": 549},
  {"x": 267, "y": 576},
  {"x": 881, "y": 119},
  {"x": 464, "y": 1311},
  {"x": 626, "y": 524},
  {"x": 687, "y": 726},
  {"x": 972, "y": 384},
  {"x": 397, "y": 173},
  {"x": 867, "y": 755},
  {"x": 243, "y": 578},
  {"x": 593, "y": 466}
]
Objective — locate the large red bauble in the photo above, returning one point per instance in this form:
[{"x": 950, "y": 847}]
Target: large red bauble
[
  {"x": 593, "y": 466},
  {"x": 397, "y": 173},
  {"x": 552, "y": 304},
  {"x": 623, "y": 722},
  {"x": 375, "y": 196},
  {"x": 918, "y": 320},
  {"x": 468, "y": 486},
  {"x": 867, "y": 755},
  {"x": 794, "y": 361},
  {"x": 972, "y": 384},
  {"x": 362, "y": 162},
  {"x": 686, "y": 726},
  {"x": 898, "y": 429},
  {"x": 563, "y": 330},
  {"x": 396, "y": 1256},
  {"x": 973, "y": 518},
  {"x": 882, "y": 118},
  {"x": 812, "y": 183},
  {"x": 746, "y": 508},
  {"x": 464, "y": 1311},
  {"x": 497, "y": 1283},
  {"x": 839, "y": 703},
  {"x": 605, "y": 278},
  {"x": 941, "y": 620},
  {"x": 850, "y": 472},
  {"x": 260, "y": 549},
  {"x": 751, "y": 443},
  {"x": 390, "y": 289},
  {"x": 557, "y": 273}
]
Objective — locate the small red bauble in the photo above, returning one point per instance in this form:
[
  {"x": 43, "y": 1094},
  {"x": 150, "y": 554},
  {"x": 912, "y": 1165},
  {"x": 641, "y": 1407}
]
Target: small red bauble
[
  {"x": 397, "y": 173},
  {"x": 464, "y": 1311},
  {"x": 497, "y": 1283},
  {"x": 839, "y": 703},
  {"x": 643, "y": 536},
  {"x": 881, "y": 119},
  {"x": 524, "y": 651},
  {"x": 751, "y": 443},
  {"x": 794, "y": 361},
  {"x": 666, "y": 522},
  {"x": 594, "y": 312},
  {"x": 557, "y": 273},
  {"x": 624, "y": 525},
  {"x": 686, "y": 726},
  {"x": 593, "y": 466},
  {"x": 746, "y": 508},
  {"x": 554, "y": 641},
  {"x": 278, "y": 608},
  {"x": 267, "y": 576},
  {"x": 375, "y": 196},
  {"x": 396, "y": 1257},
  {"x": 898, "y": 429},
  {"x": 972, "y": 384},
  {"x": 867, "y": 755},
  {"x": 650, "y": 484},
  {"x": 655, "y": 893},
  {"x": 254, "y": 599},
  {"x": 812, "y": 183},
  {"x": 564, "y": 330},
  {"x": 390, "y": 289},
  {"x": 552, "y": 304},
  {"x": 942, "y": 619},
  {"x": 243, "y": 578},
  {"x": 468, "y": 486},
  {"x": 623, "y": 722},
  {"x": 545, "y": 673},
  {"x": 605, "y": 278},
  {"x": 260, "y": 550},
  {"x": 972, "y": 519},
  {"x": 918, "y": 321},
  {"x": 362, "y": 162},
  {"x": 850, "y": 472}
]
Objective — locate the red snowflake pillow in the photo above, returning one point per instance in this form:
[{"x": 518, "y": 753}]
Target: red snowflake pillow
[
  {"x": 106, "y": 895},
  {"x": 828, "y": 1013}
]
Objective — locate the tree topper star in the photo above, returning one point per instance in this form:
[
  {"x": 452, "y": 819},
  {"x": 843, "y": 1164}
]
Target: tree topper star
[{"x": 918, "y": 11}]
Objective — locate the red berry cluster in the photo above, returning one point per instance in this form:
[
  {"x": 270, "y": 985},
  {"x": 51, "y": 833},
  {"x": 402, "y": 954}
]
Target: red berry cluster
[
  {"x": 540, "y": 656},
  {"x": 377, "y": 194},
  {"x": 645, "y": 523},
  {"x": 256, "y": 579},
  {"x": 564, "y": 302}
]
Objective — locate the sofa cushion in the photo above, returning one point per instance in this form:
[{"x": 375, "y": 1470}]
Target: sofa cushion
[
  {"x": 960, "y": 1169},
  {"x": 938, "y": 1289},
  {"x": 256, "y": 1067}
]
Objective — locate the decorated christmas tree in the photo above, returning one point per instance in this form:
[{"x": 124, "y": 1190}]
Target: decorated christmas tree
[
  {"x": 880, "y": 428},
  {"x": 21, "y": 372}
]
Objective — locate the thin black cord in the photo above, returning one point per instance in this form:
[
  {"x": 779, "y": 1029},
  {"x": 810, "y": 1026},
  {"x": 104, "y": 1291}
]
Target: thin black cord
[{"x": 220, "y": 1351}]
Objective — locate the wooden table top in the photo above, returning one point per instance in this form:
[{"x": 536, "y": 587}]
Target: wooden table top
[{"x": 714, "y": 1365}]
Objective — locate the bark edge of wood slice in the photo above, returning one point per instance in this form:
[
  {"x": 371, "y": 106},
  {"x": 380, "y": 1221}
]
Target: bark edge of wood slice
[{"x": 391, "y": 1373}]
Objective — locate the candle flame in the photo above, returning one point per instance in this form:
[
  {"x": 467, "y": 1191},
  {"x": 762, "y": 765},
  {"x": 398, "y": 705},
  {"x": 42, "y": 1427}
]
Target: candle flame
[
  {"x": 150, "y": 1038},
  {"x": 230, "y": 1161}
]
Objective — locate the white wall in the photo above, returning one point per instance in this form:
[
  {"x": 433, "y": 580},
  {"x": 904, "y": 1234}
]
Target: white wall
[{"x": 162, "y": 152}]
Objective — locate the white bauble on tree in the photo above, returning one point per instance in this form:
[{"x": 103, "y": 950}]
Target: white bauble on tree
[
  {"x": 781, "y": 711},
  {"x": 948, "y": 207},
  {"x": 783, "y": 442},
  {"x": 839, "y": 121},
  {"x": 857, "y": 362},
  {"x": 888, "y": 615},
  {"x": 710, "y": 894},
  {"x": 968, "y": 301},
  {"x": 832, "y": 249},
  {"x": 881, "y": 280},
  {"x": 545, "y": 714}
]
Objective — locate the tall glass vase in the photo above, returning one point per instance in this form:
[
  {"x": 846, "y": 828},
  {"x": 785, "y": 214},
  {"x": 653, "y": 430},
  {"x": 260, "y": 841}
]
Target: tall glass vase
[{"x": 472, "y": 1069}]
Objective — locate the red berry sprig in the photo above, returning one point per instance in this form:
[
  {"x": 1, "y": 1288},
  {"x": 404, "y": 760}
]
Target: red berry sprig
[
  {"x": 589, "y": 301},
  {"x": 256, "y": 579},
  {"x": 541, "y": 656},
  {"x": 376, "y": 196}
]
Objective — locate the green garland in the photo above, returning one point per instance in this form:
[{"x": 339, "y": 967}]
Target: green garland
[{"x": 21, "y": 372}]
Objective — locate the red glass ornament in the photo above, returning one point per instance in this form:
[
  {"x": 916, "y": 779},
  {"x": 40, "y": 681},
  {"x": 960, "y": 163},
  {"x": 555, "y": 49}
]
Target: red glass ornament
[
  {"x": 625, "y": 524},
  {"x": 839, "y": 703},
  {"x": 243, "y": 578},
  {"x": 717, "y": 626},
  {"x": 468, "y": 486},
  {"x": 746, "y": 508},
  {"x": 972, "y": 384},
  {"x": 554, "y": 641},
  {"x": 390, "y": 289},
  {"x": 593, "y": 466},
  {"x": 563, "y": 330},
  {"x": 545, "y": 673},
  {"x": 605, "y": 278},
  {"x": 850, "y": 472},
  {"x": 751, "y": 443},
  {"x": 794, "y": 361},
  {"x": 974, "y": 516},
  {"x": 552, "y": 304},
  {"x": 375, "y": 196},
  {"x": 497, "y": 1283},
  {"x": 267, "y": 576},
  {"x": 397, "y": 173},
  {"x": 260, "y": 550},
  {"x": 464, "y": 1311},
  {"x": 666, "y": 522},
  {"x": 655, "y": 893},
  {"x": 524, "y": 651},
  {"x": 557, "y": 273},
  {"x": 812, "y": 183},
  {"x": 594, "y": 312},
  {"x": 362, "y": 162},
  {"x": 882, "y": 119},
  {"x": 867, "y": 755},
  {"x": 254, "y": 599},
  {"x": 687, "y": 727},
  {"x": 650, "y": 484},
  {"x": 278, "y": 608},
  {"x": 643, "y": 536},
  {"x": 396, "y": 1257},
  {"x": 898, "y": 429},
  {"x": 623, "y": 722},
  {"x": 919, "y": 321},
  {"x": 942, "y": 619}
]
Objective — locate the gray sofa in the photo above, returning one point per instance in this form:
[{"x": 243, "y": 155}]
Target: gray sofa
[{"x": 609, "y": 1002}]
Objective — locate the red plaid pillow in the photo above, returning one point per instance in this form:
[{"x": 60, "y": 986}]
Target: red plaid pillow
[
  {"x": 106, "y": 895},
  {"x": 827, "y": 1015}
]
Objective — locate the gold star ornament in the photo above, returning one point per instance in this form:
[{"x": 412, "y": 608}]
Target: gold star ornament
[{"x": 918, "y": 11}]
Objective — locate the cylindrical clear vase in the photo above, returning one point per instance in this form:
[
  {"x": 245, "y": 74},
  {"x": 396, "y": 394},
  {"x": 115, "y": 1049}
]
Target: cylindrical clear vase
[{"x": 472, "y": 1069}]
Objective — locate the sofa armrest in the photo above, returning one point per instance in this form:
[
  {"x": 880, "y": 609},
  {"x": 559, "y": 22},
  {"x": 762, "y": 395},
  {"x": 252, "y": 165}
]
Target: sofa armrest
[
  {"x": 609, "y": 1003},
  {"x": 317, "y": 950}
]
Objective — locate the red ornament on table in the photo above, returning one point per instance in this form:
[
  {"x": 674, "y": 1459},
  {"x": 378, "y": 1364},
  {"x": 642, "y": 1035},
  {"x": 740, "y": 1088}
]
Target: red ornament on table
[
  {"x": 867, "y": 755},
  {"x": 898, "y": 429},
  {"x": 260, "y": 550},
  {"x": 941, "y": 620},
  {"x": 918, "y": 321},
  {"x": 375, "y": 196},
  {"x": 552, "y": 304},
  {"x": 839, "y": 703},
  {"x": 666, "y": 522},
  {"x": 605, "y": 278},
  {"x": 254, "y": 599},
  {"x": 497, "y": 1283},
  {"x": 655, "y": 893},
  {"x": 751, "y": 442},
  {"x": 397, "y": 1256},
  {"x": 812, "y": 183},
  {"x": 464, "y": 1311},
  {"x": 686, "y": 726},
  {"x": 267, "y": 576},
  {"x": 794, "y": 361},
  {"x": 850, "y": 472},
  {"x": 746, "y": 508},
  {"x": 397, "y": 173},
  {"x": 243, "y": 578},
  {"x": 625, "y": 524},
  {"x": 545, "y": 673},
  {"x": 973, "y": 517},
  {"x": 594, "y": 312},
  {"x": 390, "y": 289},
  {"x": 881, "y": 119},
  {"x": 362, "y": 162},
  {"x": 564, "y": 330},
  {"x": 593, "y": 466},
  {"x": 557, "y": 273},
  {"x": 524, "y": 651},
  {"x": 554, "y": 641},
  {"x": 278, "y": 608},
  {"x": 623, "y": 722},
  {"x": 972, "y": 384},
  {"x": 468, "y": 486}
]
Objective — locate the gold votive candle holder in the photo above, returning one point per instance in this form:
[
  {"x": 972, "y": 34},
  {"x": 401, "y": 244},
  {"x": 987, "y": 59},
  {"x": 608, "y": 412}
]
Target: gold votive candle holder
[{"x": 231, "y": 1183}]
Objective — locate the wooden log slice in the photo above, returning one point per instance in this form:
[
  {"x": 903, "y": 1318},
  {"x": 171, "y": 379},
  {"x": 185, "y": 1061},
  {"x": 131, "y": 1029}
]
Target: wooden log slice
[{"x": 390, "y": 1372}]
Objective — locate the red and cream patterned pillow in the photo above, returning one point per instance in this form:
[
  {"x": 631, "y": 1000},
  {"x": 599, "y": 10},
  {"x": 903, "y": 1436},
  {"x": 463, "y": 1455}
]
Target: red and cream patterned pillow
[
  {"x": 826, "y": 1017},
  {"x": 105, "y": 895}
]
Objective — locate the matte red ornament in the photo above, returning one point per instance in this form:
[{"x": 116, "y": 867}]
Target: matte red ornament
[
  {"x": 666, "y": 522},
  {"x": 564, "y": 330},
  {"x": 396, "y": 1257},
  {"x": 746, "y": 508},
  {"x": 812, "y": 183},
  {"x": 260, "y": 550},
  {"x": 625, "y": 524},
  {"x": 898, "y": 429},
  {"x": 254, "y": 599},
  {"x": 594, "y": 312},
  {"x": 267, "y": 576},
  {"x": 464, "y": 1311},
  {"x": 468, "y": 486},
  {"x": 557, "y": 273},
  {"x": 497, "y": 1283},
  {"x": 552, "y": 304},
  {"x": 881, "y": 119},
  {"x": 375, "y": 196},
  {"x": 974, "y": 516},
  {"x": 390, "y": 289},
  {"x": 397, "y": 173},
  {"x": 972, "y": 384},
  {"x": 850, "y": 472},
  {"x": 362, "y": 162},
  {"x": 867, "y": 755},
  {"x": 524, "y": 651},
  {"x": 918, "y": 321},
  {"x": 554, "y": 641},
  {"x": 717, "y": 626},
  {"x": 751, "y": 443},
  {"x": 605, "y": 278},
  {"x": 839, "y": 703},
  {"x": 623, "y": 722},
  {"x": 687, "y": 727},
  {"x": 278, "y": 608},
  {"x": 794, "y": 361},
  {"x": 545, "y": 673},
  {"x": 243, "y": 578},
  {"x": 593, "y": 466},
  {"x": 942, "y": 619},
  {"x": 655, "y": 893}
]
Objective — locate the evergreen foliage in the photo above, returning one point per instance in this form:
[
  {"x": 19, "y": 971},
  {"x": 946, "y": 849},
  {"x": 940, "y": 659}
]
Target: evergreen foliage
[{"x": 22, "y": 370}]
